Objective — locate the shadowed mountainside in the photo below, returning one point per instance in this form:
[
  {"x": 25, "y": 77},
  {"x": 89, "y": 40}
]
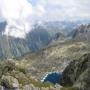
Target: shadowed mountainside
[{"x": 77, "y": 73}]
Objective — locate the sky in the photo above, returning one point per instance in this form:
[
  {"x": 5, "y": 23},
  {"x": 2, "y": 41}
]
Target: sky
[
  {"x": 45, "y": 9},
  {"x": 63, "y": 9},
  {"x": 23, "y": 13}
]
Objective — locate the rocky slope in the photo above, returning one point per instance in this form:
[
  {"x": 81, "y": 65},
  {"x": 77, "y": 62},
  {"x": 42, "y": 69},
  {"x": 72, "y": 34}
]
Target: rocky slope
[
  {"x": 77, "y": 73},
  {"x": 53, "y": 58},
  {"x": 26, "y": 72},
  {"x": 16, "y": 77},
  {"x": 12, "y": 47}
]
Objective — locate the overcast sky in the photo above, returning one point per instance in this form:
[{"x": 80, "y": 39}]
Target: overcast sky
[
  {"x": 63, "y": 9},
  {"x": 23, "y": 13},
  {"x": 45, "y": 9}
]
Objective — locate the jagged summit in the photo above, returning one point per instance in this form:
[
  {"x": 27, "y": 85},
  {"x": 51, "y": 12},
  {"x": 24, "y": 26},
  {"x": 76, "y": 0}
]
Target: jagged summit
[{"x": 81, "y": 33}]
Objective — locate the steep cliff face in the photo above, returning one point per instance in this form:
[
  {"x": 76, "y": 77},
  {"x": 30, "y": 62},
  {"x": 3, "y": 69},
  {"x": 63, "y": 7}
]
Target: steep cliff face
[
  {"x": 38, "y": 38},
  {"x": 12, "y": 47},
  {"x": 77, "y": 73}
]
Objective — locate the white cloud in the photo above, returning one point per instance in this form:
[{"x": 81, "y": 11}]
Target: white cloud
[
  {"x": 39, "y": 11},
  {"x": 22, "y": 14},
  {"x": 49, "y": 9},
  {"x": 66, "y": 9},
  {"x": 13, "y": 9},
  {"x": 16, "y": 12}
]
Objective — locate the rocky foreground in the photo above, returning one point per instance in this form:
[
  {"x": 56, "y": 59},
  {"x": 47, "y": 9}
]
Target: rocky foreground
[
  {"x": 75, "y": 77},
  {"x": 14, "y": 77}
]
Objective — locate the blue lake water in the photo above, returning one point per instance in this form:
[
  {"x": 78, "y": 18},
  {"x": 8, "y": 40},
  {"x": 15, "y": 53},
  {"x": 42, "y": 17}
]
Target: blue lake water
[{"x": 52, "y": 77}]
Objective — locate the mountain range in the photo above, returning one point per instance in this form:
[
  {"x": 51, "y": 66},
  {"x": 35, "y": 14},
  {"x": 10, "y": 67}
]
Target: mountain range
[{"x": 41, "y": 35}]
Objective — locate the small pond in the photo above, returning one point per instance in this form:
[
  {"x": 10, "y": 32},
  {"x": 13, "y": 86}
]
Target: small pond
[{"x": 53, "y": 77}]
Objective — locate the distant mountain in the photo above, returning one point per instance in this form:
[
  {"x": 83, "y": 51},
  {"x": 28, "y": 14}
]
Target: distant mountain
[
  {"x": 3, "y": 26},
  {"x": 11, "y": 47},
  {"x": 39, "y": 37},
  {"x": 81, "y": 33},
  {"x": 59, "y": 26}
]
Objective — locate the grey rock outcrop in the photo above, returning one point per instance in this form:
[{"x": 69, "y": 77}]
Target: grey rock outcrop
[
  {"x": 10, "y": 82},
  {"x": 77, "y": 73}
]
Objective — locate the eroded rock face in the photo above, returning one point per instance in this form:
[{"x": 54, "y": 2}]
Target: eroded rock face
[
  {"x": 83, "y": 83},
  {"x": 77, "y": 73},
  {"x": 9, "y": 82}
]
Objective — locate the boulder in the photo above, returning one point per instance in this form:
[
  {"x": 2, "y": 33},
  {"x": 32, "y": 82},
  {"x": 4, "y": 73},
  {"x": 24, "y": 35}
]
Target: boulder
[
  {"x": 9, "y": 82},
  {"x": 1, "y": 87}
]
